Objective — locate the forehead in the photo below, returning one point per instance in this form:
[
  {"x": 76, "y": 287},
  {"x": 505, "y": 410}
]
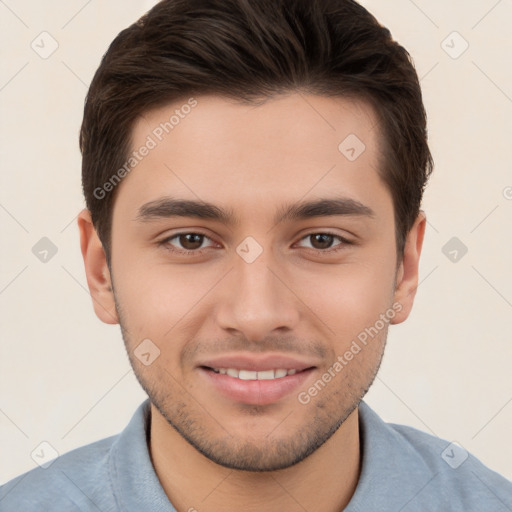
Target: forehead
[{"x": 254, "y": 156}]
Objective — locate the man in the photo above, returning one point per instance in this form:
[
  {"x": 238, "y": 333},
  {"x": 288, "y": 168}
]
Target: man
[{"x": 253, "y": 172}]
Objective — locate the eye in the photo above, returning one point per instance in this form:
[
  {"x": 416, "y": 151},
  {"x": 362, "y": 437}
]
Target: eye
[
  {"x": 190, "y": 243},
  {"x": 323, "y": 242}
]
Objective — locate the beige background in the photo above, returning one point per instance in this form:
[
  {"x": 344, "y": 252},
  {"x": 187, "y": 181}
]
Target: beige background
[{"x": 65, "y": 377}]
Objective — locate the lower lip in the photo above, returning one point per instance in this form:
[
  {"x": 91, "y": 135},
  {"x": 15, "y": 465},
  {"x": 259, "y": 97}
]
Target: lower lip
[{"x": 256, "y": 392}]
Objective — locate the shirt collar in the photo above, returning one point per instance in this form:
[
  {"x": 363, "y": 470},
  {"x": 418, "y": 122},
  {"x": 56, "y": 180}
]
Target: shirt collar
[
  {"x": 135, "y": 482},
  {"x": 387, "y": 462}
]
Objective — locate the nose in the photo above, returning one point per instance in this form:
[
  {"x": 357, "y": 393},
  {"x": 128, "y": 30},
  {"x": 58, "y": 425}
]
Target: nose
[{"x": 257, "y": 299}]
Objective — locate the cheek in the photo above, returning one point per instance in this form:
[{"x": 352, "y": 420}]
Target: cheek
[
  {"x": 351, "y": 298},
  {"x": 161, "y": 303},
  {"x": 149, "y": 299}
]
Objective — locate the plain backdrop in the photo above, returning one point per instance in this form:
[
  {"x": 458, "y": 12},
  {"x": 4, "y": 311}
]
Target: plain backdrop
[{"x": 65, "y": 378}]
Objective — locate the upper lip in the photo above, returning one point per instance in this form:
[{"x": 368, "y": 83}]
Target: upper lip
[{"x": 257, "y": 362}]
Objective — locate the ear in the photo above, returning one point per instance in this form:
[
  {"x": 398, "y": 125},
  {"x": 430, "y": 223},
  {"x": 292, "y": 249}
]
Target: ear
[
  {"x": 407, "y": 275},
  {"x": 96, "y": 270}
]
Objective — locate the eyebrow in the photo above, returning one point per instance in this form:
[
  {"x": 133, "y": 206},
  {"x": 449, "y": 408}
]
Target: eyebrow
[{"x": 168, "y": 207}]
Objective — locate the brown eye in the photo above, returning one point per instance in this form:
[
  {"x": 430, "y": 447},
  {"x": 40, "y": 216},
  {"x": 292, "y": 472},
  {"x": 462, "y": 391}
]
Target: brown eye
[
  {"x": 323, "y": 242},
  {"x": 185, "y": 243},
  {"x": 190, "y": 241}
]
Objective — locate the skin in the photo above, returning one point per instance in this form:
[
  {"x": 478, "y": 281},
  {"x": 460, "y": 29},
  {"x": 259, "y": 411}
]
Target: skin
[{"x": 212, "y": 453}]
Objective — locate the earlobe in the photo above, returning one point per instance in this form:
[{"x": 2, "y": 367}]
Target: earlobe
[
  {"x": 407, "y": 275},
  {"x": 96, "y": 270}
]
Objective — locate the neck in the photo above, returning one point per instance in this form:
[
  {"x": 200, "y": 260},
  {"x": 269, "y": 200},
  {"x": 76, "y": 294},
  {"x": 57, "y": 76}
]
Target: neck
[{"x": 324, "y": 481}]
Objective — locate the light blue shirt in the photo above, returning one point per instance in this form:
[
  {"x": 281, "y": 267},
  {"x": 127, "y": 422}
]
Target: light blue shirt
[{"x": 403, "y": 470}]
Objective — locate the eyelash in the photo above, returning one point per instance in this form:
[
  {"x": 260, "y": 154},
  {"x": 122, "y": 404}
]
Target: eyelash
[{"x": 165, "y": 243}]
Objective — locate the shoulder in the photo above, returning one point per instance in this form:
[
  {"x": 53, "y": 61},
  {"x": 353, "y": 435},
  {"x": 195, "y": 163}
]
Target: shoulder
[
  {"x": 422, "y": 470},
  {"x": 441, "y": 454},
  {"x": 78, "y": 480}
]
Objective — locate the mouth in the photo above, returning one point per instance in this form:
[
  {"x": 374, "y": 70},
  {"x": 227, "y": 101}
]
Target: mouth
[
  {"x": 272, "y": 374},
  {"x": 255, "y": 386}
]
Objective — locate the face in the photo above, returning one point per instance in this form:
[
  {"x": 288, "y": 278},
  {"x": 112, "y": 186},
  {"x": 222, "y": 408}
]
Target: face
[{"x": 256, "y": 324}]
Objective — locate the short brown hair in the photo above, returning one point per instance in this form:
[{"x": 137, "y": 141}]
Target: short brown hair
[{"x": 251, "y": 50}]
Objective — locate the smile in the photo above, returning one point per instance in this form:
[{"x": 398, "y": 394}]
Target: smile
[
  {"x": 255, "y": 386},
  {"x": 255, "y": 375}
]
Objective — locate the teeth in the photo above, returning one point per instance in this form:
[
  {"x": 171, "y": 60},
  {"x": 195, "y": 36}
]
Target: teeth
[
  {"x": 247, "y": 375},
  {"x": 253, "y": 375},
  {"x": 267, "y": 374}
]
